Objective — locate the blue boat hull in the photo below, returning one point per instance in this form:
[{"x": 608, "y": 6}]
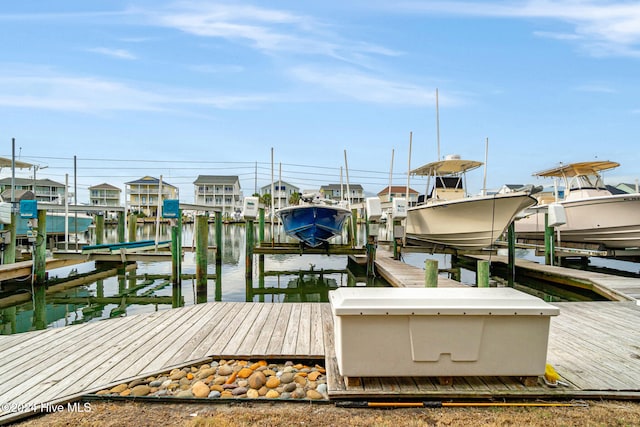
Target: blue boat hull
[{"x": 313, "y": 225}]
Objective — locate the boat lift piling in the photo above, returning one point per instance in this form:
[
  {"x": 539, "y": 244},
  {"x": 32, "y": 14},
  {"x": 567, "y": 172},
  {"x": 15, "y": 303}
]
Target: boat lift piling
[
  {"x": 99, "y": 228},
  {"x": 133, "y": 227},
  {"x": 39, "y": 271},
  {"x": 202, "y": 234}
]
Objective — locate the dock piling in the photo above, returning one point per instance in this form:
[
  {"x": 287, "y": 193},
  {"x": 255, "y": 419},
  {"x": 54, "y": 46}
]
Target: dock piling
[
  {"x": 482, "y": 274},
  {"x": 431, "y": 273},
  {"x": 249, "y": 249},
  {"x": 202, "y": 235},
  {"x": 218, "y": 223},
  {"x": 39, "y": 272},
  {"x": 99, "y": 229},
  {"x": 133, "y": 226}
]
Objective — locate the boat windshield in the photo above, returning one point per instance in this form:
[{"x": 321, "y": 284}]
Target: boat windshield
[{"x": 581, "y": 182}]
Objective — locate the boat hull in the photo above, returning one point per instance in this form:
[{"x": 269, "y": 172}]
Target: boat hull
[
  {"x": 313, "y": 225},
  {"x": 470, "y": 223},
  {"x": 612, "y": 222}
]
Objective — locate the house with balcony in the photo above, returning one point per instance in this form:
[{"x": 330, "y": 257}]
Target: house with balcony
[
  {"x": 45, "y": 190},
  {"x": 339, "y": 192},
  {"x": 283, "y": 193},
  {"x": 142, "y": 195},
  {"x": 389, "y": 193},
  {"x": 104, "y": 195},
  {"x": 222, "y": 192}
]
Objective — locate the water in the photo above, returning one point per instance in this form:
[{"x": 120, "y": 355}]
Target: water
[
  {"x": 280, "y": 278},
  {"x": 286, "y": 278}
]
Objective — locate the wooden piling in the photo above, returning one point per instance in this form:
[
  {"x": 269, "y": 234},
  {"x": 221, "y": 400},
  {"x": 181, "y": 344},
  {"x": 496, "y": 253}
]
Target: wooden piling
[
  {"x": 548, "y": 241},
  {"x": 371, "y": 255},
  {"x": 9, "y": 256},
  {"x": 120, "y": 226},
  {"x": 132, "y": 227},
  {"x": 202, "y": 242},
  {"x": 218, "y": 219},
  {"x": 431, "y": 273},
  {"x": 261, "y": 226},
  {"x": 99, "y": 229},
  {"x": 511, "y": 248},
  {"x": 39, "y": 272},
  {"x": 176, "y": 280},
  {"x": 482, "y": 274},
  {"x": 249, "y": 249}
]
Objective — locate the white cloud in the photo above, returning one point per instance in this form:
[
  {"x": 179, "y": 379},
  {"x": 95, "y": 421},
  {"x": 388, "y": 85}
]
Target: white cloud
[
  {"x": 602, "y": 27},
  {"x": 115, "y": 53},
  {"x": 362, "y": 87},
  {"x": 43, "y": 89}
]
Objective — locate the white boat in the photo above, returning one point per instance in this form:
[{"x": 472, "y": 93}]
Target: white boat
[
  {"x": 448, "y": 217},
  {"x": 593, "y": 214}
]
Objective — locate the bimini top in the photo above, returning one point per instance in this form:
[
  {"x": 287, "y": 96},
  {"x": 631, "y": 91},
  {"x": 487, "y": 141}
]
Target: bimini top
[
  {"x": 578, "y": 169},
  {"x": 446, "y": 167}
]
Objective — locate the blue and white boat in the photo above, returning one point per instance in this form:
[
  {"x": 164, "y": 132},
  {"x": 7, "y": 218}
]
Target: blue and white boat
[{"x": 314, "y": 222}]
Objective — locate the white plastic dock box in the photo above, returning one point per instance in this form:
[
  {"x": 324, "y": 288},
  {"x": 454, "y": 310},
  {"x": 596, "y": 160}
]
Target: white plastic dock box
[{"x": 383, "y": 332}]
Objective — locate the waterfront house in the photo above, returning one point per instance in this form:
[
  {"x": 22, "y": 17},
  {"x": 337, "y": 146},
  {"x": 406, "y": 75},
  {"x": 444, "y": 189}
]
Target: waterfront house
[
  {"x": 221, "y": 192},
  {"x": 338, "y": 192},
  {"x": 389, "y": 193},
  {"x": 283, "y": 193},
  {"x": 142, "y": 195},
  {"x": 45, "y": 190},
  {"x": 104, "y": 195},
  {"x": 628, "y": 188}
]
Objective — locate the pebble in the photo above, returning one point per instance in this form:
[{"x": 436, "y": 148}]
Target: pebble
[{"x": 246, "y": 380}]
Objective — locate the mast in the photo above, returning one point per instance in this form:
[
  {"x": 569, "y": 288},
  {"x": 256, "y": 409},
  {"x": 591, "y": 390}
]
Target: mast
[
  {"x": 391, "y": 175},
  {"x": 409, "y": 167},
  {"x": 438, "y": 123},
  {"x": 486, "y": 157}
]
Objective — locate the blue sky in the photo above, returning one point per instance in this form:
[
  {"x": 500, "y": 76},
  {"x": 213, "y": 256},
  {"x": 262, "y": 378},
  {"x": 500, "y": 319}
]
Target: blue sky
[{"x": 179, "y": 89}]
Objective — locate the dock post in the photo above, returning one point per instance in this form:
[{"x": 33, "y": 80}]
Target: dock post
[
  {"x": 482, "y": 274},
  {"x": 176, "y": 280},
  {"x": 133, "y": 226},
  {"x": 431, "y": 273},
  {"x": 120, "y": 226},
  {"x": 99, "y": 229},
  {"x": 249, "y": 249},
  {"x": 549, "y": 249},
  {"x": 354, "y": 226},
  {"x": 397, "y": 240},
  {"x": 218, "y": 220},
  {"x": 511, "y": 248},
  {"x": 202, "y": 234},
  {"x": 218, "y": 291},
  {"x": 371, "y": 255},
  {"x": 261, "y": 226},
  {"x": 39, "y": 272},
  {"x": 9, "y": 256}
]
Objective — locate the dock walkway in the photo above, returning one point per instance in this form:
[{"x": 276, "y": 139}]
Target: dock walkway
[
  {"x": 615, "y": 288},
  {"x": 401, "y": 275},
  {"x": 593, "y": 346}
]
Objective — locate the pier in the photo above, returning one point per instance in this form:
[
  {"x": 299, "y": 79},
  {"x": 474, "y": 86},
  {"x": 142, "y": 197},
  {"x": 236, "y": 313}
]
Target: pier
[{"x": 593, "y": 346}]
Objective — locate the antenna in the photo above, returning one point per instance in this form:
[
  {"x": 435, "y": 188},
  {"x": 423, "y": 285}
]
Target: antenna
[{"x": 438, "y": 123}]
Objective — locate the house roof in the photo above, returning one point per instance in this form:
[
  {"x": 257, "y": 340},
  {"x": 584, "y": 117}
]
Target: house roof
[
  {"x": 29, "y": 181},
  {"x": 19, "y": 195},
  {"x": 397, "y": 189},
  {"x": 217, "y": 179},
  {"x": 104, "y": 186},
  {"x": 149, "y": 180}
]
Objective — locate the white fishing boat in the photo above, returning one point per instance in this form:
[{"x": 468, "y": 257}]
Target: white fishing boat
[
  {"x": 449, "y": 217},
  {"x": 593, "y": 214}
]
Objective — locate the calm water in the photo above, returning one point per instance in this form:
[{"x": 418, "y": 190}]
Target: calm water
[{"x": 286, "y": 278}]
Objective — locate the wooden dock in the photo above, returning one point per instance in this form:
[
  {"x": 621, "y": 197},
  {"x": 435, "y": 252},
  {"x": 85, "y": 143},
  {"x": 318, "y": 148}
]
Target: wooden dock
[
  {"x": 594, "y": 346},
  {"x": 24, "y": 268},
  {"x": 401, "y": 275},
  {"x": 614, "y": 288}
]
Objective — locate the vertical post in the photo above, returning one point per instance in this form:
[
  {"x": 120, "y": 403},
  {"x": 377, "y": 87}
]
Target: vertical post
[
  {"x": 261, "y": 226},
  {"x": 39, "y": 269},
  {"x": 354, "y": 225},
  {"x": 121, "y": 227},
  {"x": 99, "y": 229},
  {"x": 548, "y": 241},
  {"x": 511, "y": 244},
  {"x": 249, "y": 249},
  {"x": 431, "y": 273},
  {"x": 202, "y": 237},
  {"x": 218, "y": 219},
  {"x": 175, "y": 271},
  {"x": 218, "y": 282},
  {"x": 396, "y": 240},
  {"x": 132, "y": 227},
  {"x": 371, "y": 255},
  {"x": 482, "y": 274},
  {"x": 9, "y": 256}
]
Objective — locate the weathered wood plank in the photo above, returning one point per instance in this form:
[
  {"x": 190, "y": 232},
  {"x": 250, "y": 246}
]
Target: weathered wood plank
[
  {"x": 269, "y": 327},
  {"x": 247, "y": 346},
  {"x": 303, "y": 344},
  {"x": 242, "y": 330},
  {"x": 277, "y": 338},
  {"x": 291, "y": 335},
  {"x": 232, "y": 322}
]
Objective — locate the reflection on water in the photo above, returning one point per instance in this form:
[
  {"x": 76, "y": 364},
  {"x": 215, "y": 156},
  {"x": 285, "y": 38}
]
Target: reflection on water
[{"x": 146, "y": 287}]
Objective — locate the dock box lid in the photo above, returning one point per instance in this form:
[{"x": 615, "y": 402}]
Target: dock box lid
[{"x": 438, "y": 301}]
